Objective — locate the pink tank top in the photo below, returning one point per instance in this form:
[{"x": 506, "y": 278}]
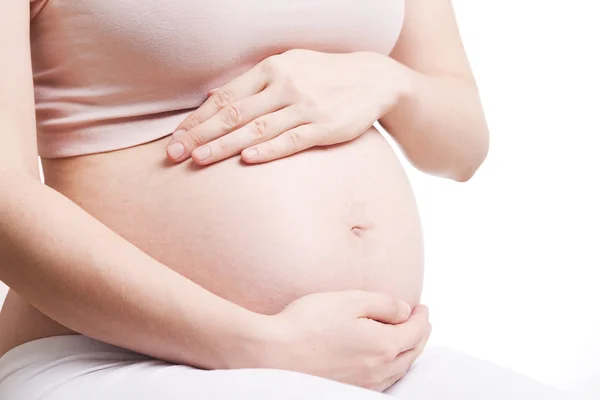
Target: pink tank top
[{"x": 111, "y": 74}]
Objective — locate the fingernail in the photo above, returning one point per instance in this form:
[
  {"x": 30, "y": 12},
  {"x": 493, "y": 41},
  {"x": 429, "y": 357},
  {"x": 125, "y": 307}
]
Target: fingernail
[
  {"x": 250, "y": 153},
  {"x": 175, "y": 150},
  {"x": 202, "y": 153},
  {"x": 405, "y": 308},
  {"x": 178, "y": 134}
]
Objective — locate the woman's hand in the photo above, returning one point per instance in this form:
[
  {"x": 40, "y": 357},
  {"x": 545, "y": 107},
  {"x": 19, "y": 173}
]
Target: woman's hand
[
  {"x": 290, "y": 102},
  {"x": 361, "y": 338}
]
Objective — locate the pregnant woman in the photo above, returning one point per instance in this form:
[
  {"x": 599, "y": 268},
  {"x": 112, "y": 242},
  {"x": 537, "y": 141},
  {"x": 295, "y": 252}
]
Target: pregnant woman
[{"x": 219, "y": 218}]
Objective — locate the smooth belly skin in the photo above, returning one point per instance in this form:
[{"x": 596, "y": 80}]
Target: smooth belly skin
[{"x": 342, "y": 217}]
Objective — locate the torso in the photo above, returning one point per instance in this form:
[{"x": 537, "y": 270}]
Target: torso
[
  {"x": 342, "y": 217},
  {"x": 328, "y": 219}
]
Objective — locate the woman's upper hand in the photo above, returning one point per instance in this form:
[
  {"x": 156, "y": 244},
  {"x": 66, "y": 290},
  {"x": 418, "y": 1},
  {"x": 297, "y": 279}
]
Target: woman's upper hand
[
  {"x": 290, "y": 102},
  {"x": 362, "y": 338}
]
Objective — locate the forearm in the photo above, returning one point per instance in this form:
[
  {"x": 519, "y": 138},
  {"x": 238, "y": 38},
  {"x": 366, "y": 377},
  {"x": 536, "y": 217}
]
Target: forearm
[
  {"x": 86, "y": 277},
  {"x": 440, "y": 125}
]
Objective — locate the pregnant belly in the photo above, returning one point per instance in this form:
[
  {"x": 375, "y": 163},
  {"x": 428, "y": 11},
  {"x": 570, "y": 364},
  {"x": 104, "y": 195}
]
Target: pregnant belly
[{"x": 342, "y": 217}]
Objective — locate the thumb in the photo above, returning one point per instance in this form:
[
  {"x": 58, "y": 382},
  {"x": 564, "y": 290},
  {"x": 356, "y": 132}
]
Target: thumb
[{"x": 381, "y": 307}]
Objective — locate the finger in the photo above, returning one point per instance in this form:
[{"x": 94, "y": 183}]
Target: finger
[
  {"x": 257, "y": 131},
  {"x": 380, "y": 307},
  {"x": 286, "y": 144},
  {"x": 388, "y": 383},
  {"x": 410, "y": 332},
  {"x": 226, "y": 120},
  {"x": 245, "y": 85},
  {"x": 404, "y": 362}
]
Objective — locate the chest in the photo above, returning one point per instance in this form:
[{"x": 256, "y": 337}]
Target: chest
[{"x": 205, "y": 37}]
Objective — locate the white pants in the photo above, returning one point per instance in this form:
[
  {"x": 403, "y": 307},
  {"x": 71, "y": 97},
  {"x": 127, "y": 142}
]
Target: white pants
[{"x": 80, "y": 368}]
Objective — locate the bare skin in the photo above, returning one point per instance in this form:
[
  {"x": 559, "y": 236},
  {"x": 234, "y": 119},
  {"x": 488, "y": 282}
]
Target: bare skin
[{"x": 212, "y": 274}]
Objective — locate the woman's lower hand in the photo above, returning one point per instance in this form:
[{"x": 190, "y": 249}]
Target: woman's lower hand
[
  {"x": 288, "y": 103},
  {"x": 361, "y": 338}
]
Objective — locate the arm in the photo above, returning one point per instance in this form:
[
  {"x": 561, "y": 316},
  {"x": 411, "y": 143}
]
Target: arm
[
  {"x": 424, "y": 95},
  {"x": 77, "y": 271},
  {"x": 439, "y": 122}
]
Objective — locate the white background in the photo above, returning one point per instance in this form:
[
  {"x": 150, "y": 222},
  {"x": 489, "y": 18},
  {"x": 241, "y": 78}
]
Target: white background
[{"x": 513, "y": 255}]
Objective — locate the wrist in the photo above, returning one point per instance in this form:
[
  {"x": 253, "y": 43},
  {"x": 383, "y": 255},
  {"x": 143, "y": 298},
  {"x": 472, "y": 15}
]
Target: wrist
[
  {"x": 403, "y": 83},
  {"x": 407, "y": 86},
  {"x": 264, "y": 336},
  {"x": 396, "y": 84},
  {"x": 269, "y": 341},
  {"x": 247, "y": 341}
]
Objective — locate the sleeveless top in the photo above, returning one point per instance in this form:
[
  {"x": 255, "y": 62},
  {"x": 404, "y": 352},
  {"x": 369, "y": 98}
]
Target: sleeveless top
[{"x": 113, "y": 74}]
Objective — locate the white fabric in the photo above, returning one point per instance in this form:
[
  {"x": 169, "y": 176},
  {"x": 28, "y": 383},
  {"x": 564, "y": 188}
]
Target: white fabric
[{"x": 76, "y": 367}]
